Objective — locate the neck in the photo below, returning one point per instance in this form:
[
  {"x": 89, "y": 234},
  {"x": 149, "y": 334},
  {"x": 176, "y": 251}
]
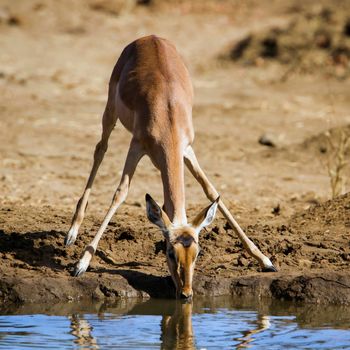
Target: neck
[{"x": 174, "y": 186}]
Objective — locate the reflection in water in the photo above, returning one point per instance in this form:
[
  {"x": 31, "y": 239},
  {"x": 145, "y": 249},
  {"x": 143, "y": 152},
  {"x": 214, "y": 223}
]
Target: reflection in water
[
  {"x": 263, "y": 323},
  {"x": 175, "y": 327},
  {"x": 177, "y": 331},
  {"x": 82, "y": 331}
]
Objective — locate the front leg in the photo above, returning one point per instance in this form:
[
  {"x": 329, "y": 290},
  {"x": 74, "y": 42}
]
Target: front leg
[
  {"x": 108, "y": 122},
  {"x": 211, "y": 193}
]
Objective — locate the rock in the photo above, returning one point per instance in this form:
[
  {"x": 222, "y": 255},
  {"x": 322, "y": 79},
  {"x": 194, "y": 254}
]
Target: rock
[
  {"x": 276, "y": 210},
  {"x": 241, "y": 261},
  {"x": 267, "y": 140},
  {"x": 239, "y": 48},
  {"x": 347, "y": 27},
  {"x": 8, "y": 18},
  {"x": 269, "y": 47}
]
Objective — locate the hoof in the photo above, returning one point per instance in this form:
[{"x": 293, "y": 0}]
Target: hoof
[
  {"x": 68, "y": 241},
  {"x": 269, "y": 269},
  {"x": 78, "y": 271},
  {"x": 71, "y": 237},
  {"x": 84, "y": 262}
]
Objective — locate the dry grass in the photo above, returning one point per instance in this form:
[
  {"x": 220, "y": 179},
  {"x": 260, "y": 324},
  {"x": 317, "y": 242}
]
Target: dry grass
[{"x": 338, "y": 148}]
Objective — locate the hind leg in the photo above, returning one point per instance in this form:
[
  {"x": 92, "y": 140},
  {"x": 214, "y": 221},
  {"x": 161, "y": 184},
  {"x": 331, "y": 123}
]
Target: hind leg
[
  {"x": 134, "y": 155},
  {"x": 108, "y": 122},
  {"x": 211, "y": 193}
]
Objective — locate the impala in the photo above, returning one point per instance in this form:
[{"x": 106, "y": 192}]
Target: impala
[{"x": 150, "y": 92}]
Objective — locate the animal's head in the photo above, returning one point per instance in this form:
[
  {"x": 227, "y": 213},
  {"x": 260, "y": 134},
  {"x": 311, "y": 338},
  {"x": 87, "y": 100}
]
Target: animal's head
[{"x": 182, "y": 246}]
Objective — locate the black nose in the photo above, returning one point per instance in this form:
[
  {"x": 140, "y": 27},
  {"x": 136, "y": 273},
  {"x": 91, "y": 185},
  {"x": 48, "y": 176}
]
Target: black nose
[{"x": 185, "y": 296}]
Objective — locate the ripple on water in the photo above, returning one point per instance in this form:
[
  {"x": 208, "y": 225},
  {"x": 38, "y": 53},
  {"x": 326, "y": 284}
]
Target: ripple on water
[{"x": 207, "y": 324}]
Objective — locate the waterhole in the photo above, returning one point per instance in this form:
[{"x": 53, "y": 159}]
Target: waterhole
[{"x": 217, "y": 323}]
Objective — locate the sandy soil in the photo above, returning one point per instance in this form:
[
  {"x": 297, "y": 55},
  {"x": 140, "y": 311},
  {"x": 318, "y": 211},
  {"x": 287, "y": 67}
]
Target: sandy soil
[{"x": 55, "y": 63}]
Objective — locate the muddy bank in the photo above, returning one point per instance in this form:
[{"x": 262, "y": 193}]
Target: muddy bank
[
  {"x": 130, "y": 262},
  {"x": 318, "y": 288}
]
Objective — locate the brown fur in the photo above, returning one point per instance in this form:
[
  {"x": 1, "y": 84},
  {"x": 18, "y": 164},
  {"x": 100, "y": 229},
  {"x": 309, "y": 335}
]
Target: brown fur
[
  {"x": 182, "y": 245},
  {"x": 154, "y": 82},
  {"x": 150, "y": 91}
]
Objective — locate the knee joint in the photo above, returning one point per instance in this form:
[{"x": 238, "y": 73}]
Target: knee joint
[
  {"x": 120, "y": 194},
  {"x": 101, "y": 146}
]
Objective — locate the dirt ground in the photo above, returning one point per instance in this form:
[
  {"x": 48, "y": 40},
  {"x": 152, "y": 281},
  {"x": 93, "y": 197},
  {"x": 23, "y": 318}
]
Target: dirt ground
[{"x": 55, "y": 63}]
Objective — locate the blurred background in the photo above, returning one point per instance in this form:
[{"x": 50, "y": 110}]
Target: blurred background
[{"x": 271, "y": 97}]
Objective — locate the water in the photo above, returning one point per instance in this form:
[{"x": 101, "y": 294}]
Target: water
[{"x": 217, "y": 323}]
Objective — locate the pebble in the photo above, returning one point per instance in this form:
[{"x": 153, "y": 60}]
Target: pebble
[{"x": 267, "y": 140}]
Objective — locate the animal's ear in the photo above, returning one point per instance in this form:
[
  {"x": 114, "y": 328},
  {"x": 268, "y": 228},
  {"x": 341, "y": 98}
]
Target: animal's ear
[
  {"x": 156, "y": 215},
  {"x": 206, "y": 216}
]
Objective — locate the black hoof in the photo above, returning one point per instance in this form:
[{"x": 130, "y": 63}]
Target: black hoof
[
  {"x": 76, "y": 272},
  {"x": 269, "y": 269},
  {"x": 68, "y": 241}
]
